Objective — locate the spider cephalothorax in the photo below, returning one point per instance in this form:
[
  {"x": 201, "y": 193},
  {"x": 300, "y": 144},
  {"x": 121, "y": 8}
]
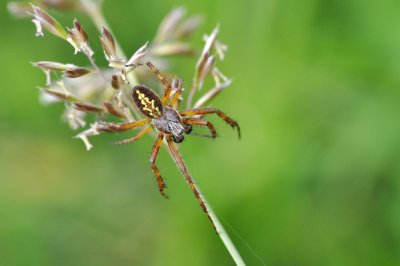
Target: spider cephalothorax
[{"x": 169, "y": 123}]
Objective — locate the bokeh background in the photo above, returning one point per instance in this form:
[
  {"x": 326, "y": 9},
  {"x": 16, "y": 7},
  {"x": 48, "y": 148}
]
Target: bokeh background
[{"x": 313, "y": 181}]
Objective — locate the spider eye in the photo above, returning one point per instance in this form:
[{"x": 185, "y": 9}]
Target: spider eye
[
  {"x": 178, "y": 139},
  {"x": 188, "y": 128}
]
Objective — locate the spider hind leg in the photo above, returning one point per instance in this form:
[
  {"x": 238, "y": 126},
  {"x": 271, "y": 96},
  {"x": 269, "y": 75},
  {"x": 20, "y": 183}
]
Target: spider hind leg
[
  {"x": 153, "y": 157},
  {"x": 189, "y": 180}
]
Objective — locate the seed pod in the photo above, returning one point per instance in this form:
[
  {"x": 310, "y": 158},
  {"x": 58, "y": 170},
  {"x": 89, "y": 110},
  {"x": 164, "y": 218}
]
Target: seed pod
[
  {"x": 43, "y": 20},
  {"x": 108, "y": 44},
  {"x": 78, "y": 38},
  {"x": 60, "y": 95},
  {"x": 53, "y": 66},
  {"x": 113, "y": 111},
  {"x": 117, "y": 63},
  {"x": 205, "y": 70},
  {"x": 76, "y": 72},
  {"x": 207, "y": 49},
  {"x": 138, "y": 55},
  {"x": 116, "y": 81},
  {"x": 87, "y": 107}
]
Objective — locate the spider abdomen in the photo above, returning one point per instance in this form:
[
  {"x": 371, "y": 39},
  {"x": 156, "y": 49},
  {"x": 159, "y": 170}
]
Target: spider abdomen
[{"x": 147, "y": 101}]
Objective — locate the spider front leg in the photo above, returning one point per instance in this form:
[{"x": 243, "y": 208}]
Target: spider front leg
[
  {"x": 163, "y": 80},
  {"x": 112, "y": 127},
  {"x": 153, "y": 157},
  {"x": 206, "y": 111},
  {"x": 201, "y": 122}
]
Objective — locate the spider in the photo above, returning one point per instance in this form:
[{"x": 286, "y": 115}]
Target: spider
[{"x": 170, "y": 124}]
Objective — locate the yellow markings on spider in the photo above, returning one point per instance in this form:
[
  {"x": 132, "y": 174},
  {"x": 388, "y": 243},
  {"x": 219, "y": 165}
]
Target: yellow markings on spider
[{"x": 148, "y": 105}]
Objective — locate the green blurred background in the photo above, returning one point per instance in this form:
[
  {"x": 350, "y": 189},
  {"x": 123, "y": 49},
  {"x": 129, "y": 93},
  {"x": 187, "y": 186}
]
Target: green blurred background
[{"x": 314, "y": 180}]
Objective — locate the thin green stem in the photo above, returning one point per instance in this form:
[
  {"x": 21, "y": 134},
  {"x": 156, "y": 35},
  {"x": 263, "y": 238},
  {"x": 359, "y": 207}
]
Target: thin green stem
[{"x": 226, "y": 240}]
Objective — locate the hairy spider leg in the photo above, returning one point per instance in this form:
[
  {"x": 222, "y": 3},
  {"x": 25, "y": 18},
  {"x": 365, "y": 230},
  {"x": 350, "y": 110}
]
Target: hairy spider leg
[
  {"x": 112, "y": 127},
  {"x": 177, "y": 94},
  {"x": 135, "y": 138},
  {"x": 205, "y": 111},
  {"x": 163, "y": 80},
  {"x": 201, "y": 122},
  {"x": 189, "y": 180},
  {"x": 153, "y": 157}
]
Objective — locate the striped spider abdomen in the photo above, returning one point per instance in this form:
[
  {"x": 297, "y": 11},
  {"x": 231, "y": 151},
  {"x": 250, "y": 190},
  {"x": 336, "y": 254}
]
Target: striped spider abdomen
[{"x": 147, "y": 101}]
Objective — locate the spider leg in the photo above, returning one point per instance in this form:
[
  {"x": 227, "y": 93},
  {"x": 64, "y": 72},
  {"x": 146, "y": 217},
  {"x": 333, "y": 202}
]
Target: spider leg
[
  {"x": 112, "y": 127},
  {"x": 189, "y": 180},
  {"x": 177, "y": 94},
  {"x": 154, "y": 153},
  {"x": 201, "y": 122},
  {"x": 162, "y": 79},
  {"x": 138, "y": 136},
  {"x": 205, "y": 111}
]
